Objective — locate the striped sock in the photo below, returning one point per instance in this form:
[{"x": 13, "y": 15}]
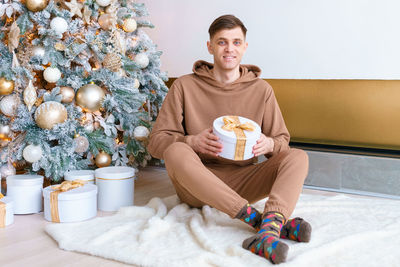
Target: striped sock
[
  {"x": 266, "y": 242},
  {"x": 297, "y": 229},
  {"x": 249, "y": 215}
]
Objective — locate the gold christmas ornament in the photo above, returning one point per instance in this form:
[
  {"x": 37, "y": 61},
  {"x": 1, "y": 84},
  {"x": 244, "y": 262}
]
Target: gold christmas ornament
[
  {"x": 103, "y": 160},
  {"x": 36, "y": 5},
  {"x": 106, "y": 21},
  {"x": 130, "y": 25},
  {"x": 49, "y": 114},
  {"x": 141, "y": 133},
  {"x": 90, "y": 97},
  {"x": 5, "y": 131},
  {"x": 30, "y": 95},
  {"x": 67, "y": 93},
  {"x": 112, "y": 61},
  {"x": 6, "y": 86}
]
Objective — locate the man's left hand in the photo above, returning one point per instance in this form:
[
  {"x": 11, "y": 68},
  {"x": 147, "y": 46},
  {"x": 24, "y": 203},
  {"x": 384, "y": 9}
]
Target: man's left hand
[{"x": 264, "y": 145}]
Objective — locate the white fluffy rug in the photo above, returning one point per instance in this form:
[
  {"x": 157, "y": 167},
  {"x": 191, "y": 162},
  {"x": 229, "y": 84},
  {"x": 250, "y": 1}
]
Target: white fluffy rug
[{"x": 347, "y": 231}]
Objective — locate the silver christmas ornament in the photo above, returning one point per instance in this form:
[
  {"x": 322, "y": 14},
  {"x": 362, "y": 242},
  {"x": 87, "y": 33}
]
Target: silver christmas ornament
[
  {"x": 8, "y": 105},
  {"x": 81, "y": 144}
]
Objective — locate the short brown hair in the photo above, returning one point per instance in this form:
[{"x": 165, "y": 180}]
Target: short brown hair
[{"x": 226, "y": 22}]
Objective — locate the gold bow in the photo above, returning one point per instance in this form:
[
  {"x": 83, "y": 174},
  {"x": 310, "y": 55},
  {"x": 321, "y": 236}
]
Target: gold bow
[
  {"x": 63, "y": 187},
  {"x": 2, "y": 212},
  {"x": 232, "y": 123}
]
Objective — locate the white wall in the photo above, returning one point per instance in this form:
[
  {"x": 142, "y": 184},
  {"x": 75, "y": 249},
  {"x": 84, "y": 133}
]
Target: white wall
[{"x": 304, "y": 39}]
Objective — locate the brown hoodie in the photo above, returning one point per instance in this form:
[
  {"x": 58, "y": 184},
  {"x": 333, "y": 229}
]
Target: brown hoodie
[{"x": 195, "y": 100}]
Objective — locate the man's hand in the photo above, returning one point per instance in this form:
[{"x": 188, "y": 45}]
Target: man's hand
[
  {"x": 206, "y": 142},
  {"x": 264, "y": 145}
]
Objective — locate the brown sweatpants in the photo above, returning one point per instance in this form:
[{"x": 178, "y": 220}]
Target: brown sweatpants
[{"x": 228, "y": 187}]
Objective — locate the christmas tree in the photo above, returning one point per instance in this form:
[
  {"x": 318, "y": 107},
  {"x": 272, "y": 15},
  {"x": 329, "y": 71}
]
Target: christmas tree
[{"x": 80, "y": 85}]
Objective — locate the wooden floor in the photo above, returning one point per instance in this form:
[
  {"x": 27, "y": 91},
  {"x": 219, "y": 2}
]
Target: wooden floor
[{"x": 25, "y": 243}]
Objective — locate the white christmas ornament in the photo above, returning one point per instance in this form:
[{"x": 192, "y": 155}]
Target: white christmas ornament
[
  {"x": 130, "y": 25},
  {"x": 142, "y": 60},
  {"x": 52, "y": 75},
  {"x": 8, "y": 105},
  {"x": 59, "y": 25},
  {"x": 141, "y": 133},
  {"x": 103, "y": 3},
  {"x": 32, "y": 153}
]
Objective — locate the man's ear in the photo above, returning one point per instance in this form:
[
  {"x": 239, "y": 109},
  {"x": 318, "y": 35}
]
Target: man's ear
[{"x": 209, "y": 48}]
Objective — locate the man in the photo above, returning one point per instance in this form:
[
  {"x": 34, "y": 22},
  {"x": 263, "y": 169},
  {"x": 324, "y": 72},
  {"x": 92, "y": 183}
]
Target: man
[{"x": 183, "y": 137}]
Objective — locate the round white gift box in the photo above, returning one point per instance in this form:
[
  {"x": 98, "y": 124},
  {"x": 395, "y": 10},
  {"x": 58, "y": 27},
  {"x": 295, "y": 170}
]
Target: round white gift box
[
  {"x": 74, "y": 205},
  {"x": 26, "y": 192},
  {"x": 85, "y": 175},
  {"x": 228, "y": 138},
  {"x": 9, "y": 214},
  {"x": 115, "y": 185}
]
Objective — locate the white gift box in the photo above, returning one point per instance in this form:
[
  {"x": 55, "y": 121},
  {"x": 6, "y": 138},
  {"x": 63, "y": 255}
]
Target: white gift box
[
  {"x": 115, "y": 185},
  {"x": 235, "y": 148},
  {"x": 26, "y": 192},
  {"x": 6, "y": 211},
  {"x": 85, "y": 175},
  {"x": 78, "y": 204}
]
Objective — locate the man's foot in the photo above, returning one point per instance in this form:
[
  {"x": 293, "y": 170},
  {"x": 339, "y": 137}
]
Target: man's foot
[
  {"x": 266, "y": 242},
  {"x": 249, "y": 215},
  {"x": 296, "y": 229}
]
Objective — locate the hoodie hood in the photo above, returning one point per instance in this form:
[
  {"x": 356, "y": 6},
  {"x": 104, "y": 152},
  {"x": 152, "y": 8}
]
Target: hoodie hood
[{"x": 203, "y": 70}]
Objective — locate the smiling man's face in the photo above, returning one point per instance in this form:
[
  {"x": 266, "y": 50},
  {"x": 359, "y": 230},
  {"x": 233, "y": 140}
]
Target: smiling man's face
[{"x": 228, "y": 47}]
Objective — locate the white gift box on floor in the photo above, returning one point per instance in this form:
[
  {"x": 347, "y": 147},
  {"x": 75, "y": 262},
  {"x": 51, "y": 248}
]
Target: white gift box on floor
[
  {"x": 6, "y": 211},
  {"x": 78, "y": 204},
  {"x": 237, "y": 143},
  {"x": 26, "y": 193},
  {"x": 85, "y": 175},
  {"x": 115, "y": 185}
]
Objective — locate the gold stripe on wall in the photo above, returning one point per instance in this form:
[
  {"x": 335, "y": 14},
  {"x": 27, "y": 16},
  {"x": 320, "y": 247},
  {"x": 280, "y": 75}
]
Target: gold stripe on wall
[{"x": 358, "y": 113}]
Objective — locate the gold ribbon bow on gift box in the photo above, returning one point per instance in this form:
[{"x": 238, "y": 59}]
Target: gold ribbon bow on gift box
[
  {"x": 232, "y": 123},
  {"x": 63, "y": 187},
  {"x": 2, "y": 212}
]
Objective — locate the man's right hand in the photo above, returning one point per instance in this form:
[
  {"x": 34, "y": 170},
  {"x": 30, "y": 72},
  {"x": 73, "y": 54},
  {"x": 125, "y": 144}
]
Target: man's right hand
[{"x": 206, "y": 142}]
